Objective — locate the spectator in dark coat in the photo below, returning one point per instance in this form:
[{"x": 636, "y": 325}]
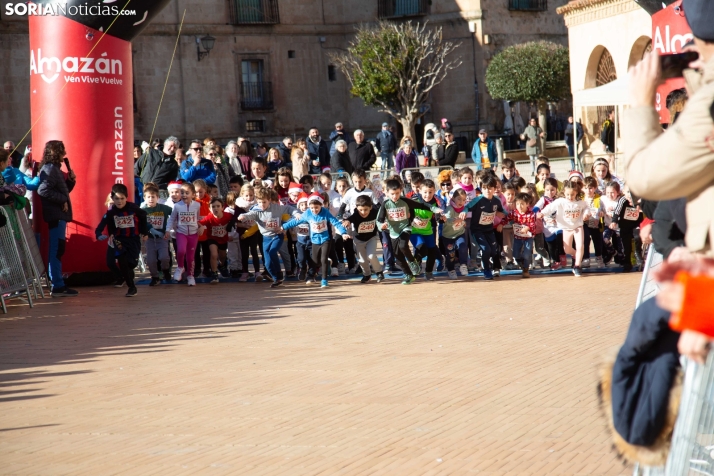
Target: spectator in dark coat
[
  {"x": 361, "y": 152},
  {"x": 285, "y": 148},
  {"x": 340, "y": 160},
  {"x": 159, "y": 166},
  {"x": 340, "y": 133},
  {"x": 16, "y": 156},
  {"x": 386, "y": 145},
  {"x": 319, "y": 153},
  {"x": 54, "y": 193},
  {"x": 451, "y": 151}
]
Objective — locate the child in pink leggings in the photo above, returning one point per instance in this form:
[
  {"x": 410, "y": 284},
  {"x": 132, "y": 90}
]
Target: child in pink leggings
[{"x": 184, "y": 221}]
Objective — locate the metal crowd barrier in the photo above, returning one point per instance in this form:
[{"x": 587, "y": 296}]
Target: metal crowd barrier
[
  {"x": 692, "y": 448},
  {"x": 335, "y": 176},
  {"x": 13, "y": 279}
]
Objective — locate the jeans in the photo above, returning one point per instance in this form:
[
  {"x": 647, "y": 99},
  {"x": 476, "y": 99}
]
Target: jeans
[
  {"x": 271, "y": 248},
  {"x": 387, "y": 250},
  {"x": 486, "y": 240},
  {"x": 387, "y": 160},
  {"x": 58, "y": 241},
  {"x": 367, "y": 254},
  {"x": 533, "y": 162},
  {"x": 455, "y": 249},
  {"x": 523, "y": 252},
  {"x": 304, "y": 256}
]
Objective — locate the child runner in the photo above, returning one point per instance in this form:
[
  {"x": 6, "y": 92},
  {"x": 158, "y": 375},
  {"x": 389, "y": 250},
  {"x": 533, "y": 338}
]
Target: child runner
[
  {"x": 307, "y": 183},
  {"x": 348, "y": 203},
  {"x": 184, "y": 222},
  {"x": 268, "y": 216},
  {"x": 319, "y": 219},
  {"x": 453, "y": 235},
  {"x": 304, "y": 245},
  {"x": 126, "y": 223},
  {"x": 509, "y": 193},
  {"x": 396, "y": 215},
  {"x": 215, "y": 226},
  {"x": 202, "y": 197},
  {"x": 365, "y": 238},
  {"x": 593, "y": 226},
  {"x": 612, "y": 246},
  {"x": 251, "y": 240},
  {"x": 508, "y": 170},
  {"x": 233, "y": 254},
  {"x": 600, "y": 171},
  {"x": 465, "y": 181},
  {"x": 570, "y": 211},
  {"x": 542, "y": 173},
  {"x": 524, "y": 228},
  {"x": 423, "y": 228},
  {"x": 551, "y": 233},
  {"x": 157, "y": 246},
  {"x": 626, "y": 216},
  {"x": 259, "y": 170}
]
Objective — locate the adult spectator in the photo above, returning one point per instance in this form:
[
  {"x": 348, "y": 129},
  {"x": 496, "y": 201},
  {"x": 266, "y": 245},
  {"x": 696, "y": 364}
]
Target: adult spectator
[
  {"x": 285, "y": 148},
  {"x": 649, "y": 151},
  {"x": 361, "y": 152},
  {"x": 224, "y": 171},
  {"x": 340, "y": 160},
  {"x": 484, "y": 152},
  {"x": 180, "y": 156},
  {"x": 159, "y": 166},
  {"x": 262, "y": 150},
  {"x": 607, "y": 134},
  {"x": 319, "y": 153},
  {"x": 451, "y": 151},
  {"x": 300, "y": 159},
  {"x": 386, "y": 145},
  {"x": 573, "y": 136},
  {"x": 532, "y": 135},
  {"x": 156, "y": 144},
  {"x": 245, "y": 155},
  {"x": 406, "y": 157},
  {"x": 21, "y": 176},
  {"x": 54, "y": 192},
  {"x": 231, "y": 156},
  {"x": 438, "y": 149},
  {"x": 338, "y": 134},
  {"x": 196, "y": 166},
  {"x": 16, "y": 156}
]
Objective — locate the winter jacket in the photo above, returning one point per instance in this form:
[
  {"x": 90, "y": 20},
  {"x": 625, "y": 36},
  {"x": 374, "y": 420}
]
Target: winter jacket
[
  {"x": 532, "y": 133},
  {"x": 15, "y": 176},
  {"x": 437, "y": 152},
  {"x": 285, "y": 153},
  {"x": 54, "y": 192},
  {"x": 490, "y": 150},
  {"x": 404, "y": 161},
  {"x": 451, "y": 155},
  {"x": 362, "y": 155},
  {"x": 156, "y": 167},
  {"x": 386, "y": 142},
  {"x": 318, "y": 151},
  {"x": 204, "y": 170},
  {"x": 640, "y": 390},
  {"x": 649, "y": 153},
  {"x": 670, "y": 225},
  {"x": 341, "y": 161},
  {"x": 224, "y": 173},
  {"x": 338, "y": 135}
]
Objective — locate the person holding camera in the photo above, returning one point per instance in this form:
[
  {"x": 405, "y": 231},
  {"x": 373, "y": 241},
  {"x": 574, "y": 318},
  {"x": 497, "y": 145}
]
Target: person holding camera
[{"x": 54, "y": 192}]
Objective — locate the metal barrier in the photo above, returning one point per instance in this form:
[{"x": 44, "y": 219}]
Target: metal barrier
[
  {"x": 560, "y": 166},
  {"x": 32, "y": 250},
  {"x": 335, "y": 176},
  {"x": 692, "y": 448},
  {"x": 13, "y": 282}
]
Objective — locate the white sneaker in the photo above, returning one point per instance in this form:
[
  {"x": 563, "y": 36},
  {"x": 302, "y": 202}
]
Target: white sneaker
[
  {"x": 585, "y": 263},
  {"x": 464, "y": 270},
  {"x": 600, "y": 262},
  {"x": 191, "y": 281},
  {"x": 423, "y": 267},
  {"x": 452, "y": 274},
  {"x": 340, "y": 269},
  {"x": 178, "y": 274},
  {"x": 335, "y": 272},
  {"x": 546, "y": 263}
]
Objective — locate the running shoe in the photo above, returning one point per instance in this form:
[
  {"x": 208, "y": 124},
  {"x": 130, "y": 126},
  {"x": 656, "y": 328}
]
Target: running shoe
[
  {"x": 452, "y": 274},
  {"x": 365, "y": 279},
  {"x": 323, "y": 283},
  {"x": 577, "y": 272},
  {"x": 415, "y": 268},
  {"x": 408, "y": 279},
  {"x": 464, "y": 270},
  {"x": 178, "y": 274},
  {"x": 191, "y": 281},
  {"x": 380, "y": 277},
  {"x": 131, "y": 292}
]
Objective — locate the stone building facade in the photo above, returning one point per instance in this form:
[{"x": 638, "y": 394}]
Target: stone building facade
[{"x": 268, "y": 74}]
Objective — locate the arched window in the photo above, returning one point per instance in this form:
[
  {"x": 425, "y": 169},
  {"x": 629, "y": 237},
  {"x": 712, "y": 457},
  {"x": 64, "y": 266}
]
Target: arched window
[{"x": 605, "y": 74}]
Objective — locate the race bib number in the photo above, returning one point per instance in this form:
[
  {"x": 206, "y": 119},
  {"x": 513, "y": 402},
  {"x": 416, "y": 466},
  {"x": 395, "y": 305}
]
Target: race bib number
[
  {"x": 303, "y": 230},
  {"x": 187, "y": 218},
  {"x": 487, "y": 218},
  {"x": 631, "y": 214},
  {"x": 521, "y": 230},
  {"x": 124, "y": 222},
  {"x": 550, "y": 221},
  {"x": 272, "y": 224},
  {"x": 318, "y": 226},
  {"x": 420, "y": 223},
  {"x": 218, "y": 231},
  {"x": 249, "y": 223},
  {"x": 572, "y": 214},
  {"x": 156, "y": 221},
  {"x": 366, "y": 227},
  {"x": 459, "y": 224},
  {"x": 397, "y": 214}
]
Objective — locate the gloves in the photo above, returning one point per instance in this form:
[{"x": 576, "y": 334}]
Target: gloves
[{"x": 102, "y": 237}]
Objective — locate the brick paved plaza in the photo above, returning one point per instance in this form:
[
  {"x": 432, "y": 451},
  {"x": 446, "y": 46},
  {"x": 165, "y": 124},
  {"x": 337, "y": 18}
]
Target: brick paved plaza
[{"x": 464, "y": 377}]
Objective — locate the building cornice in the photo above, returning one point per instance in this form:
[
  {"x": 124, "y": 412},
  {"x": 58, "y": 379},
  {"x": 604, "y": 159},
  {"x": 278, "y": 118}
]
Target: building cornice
[{"x": 585, "y": 11}]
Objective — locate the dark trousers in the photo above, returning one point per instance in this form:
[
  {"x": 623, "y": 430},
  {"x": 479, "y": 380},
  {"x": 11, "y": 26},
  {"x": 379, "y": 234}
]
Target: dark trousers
[
  {"x": 595, "y": 235},
  {"x": 304, "y": 257},
  {"x": 387, "y": 249},
  {"x": 248, "y": 247},
  {"x": 343, "y": 249},
  {"x": 424, "y": 245},
  {"x": 126, "y": 268},
  {"x": 627, "y": 235},
  {"x": 402, "y": 252},
  {"x": 320, "y": 255},
  {"x": 112, "y": 263},
  {"x": 555, "y": 247},
  {"x": 292, "y": 250},
  {"x": 455, "y": 250},
  {"x": 490, "y": 252},
  {"x": 202, "y": 248}
]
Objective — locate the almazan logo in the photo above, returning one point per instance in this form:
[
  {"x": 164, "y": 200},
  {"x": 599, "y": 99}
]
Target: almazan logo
[{"x": 102, "y": 70}]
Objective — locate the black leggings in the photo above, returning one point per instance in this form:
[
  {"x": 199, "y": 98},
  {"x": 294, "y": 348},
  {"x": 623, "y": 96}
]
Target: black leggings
[
  {"x": 626, "y": 235},
  {"x": 342, "y": 249},
  {"x": 555, "y": 248},
  {"x": 430, "y": 253},
  {"x": 292, "y": 250},
  {"x": 320, "y": 255},
  {"x": 202, "y": 248},
  {"x": 126, "y": 268},
  {"x": 249, "y": 246},
  {"x": 402, "y": 252},
  {"x": 594, "y": 235}
]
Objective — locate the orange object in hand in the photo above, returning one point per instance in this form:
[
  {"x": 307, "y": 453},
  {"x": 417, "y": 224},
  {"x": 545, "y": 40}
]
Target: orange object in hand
[{"x": 697, "y": 312}]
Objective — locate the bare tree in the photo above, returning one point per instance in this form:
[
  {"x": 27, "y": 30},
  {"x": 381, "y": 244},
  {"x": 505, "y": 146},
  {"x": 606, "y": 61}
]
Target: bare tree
[{"x": 394, "y": 67}]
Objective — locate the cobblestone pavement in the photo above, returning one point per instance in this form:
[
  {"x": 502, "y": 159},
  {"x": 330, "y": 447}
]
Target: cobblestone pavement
[{"x": 465, "y": 377}]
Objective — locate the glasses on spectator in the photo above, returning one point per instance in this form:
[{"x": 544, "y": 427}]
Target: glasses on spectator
[
  {"x": 446, "y": 184},
  {"x": 290, "y": 144},
  {"x": 212, "y": 154},
  {"x": 195, "y": 148}
]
